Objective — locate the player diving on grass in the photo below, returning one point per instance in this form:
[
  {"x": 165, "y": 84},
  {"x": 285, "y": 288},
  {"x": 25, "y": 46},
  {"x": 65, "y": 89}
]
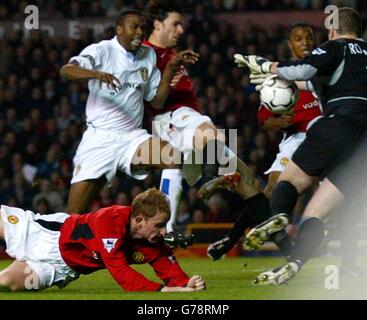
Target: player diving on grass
[
  {"x": 336, "y": 70},
  {"x": 181, "y": 123},
  {"x": 121, "y": 74},
  {"x": 56, "y": 249},
  {"x": 294, "y": 125}
]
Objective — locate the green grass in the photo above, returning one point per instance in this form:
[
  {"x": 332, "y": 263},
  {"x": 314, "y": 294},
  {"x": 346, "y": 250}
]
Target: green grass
[{"x": 226, "y": 279}]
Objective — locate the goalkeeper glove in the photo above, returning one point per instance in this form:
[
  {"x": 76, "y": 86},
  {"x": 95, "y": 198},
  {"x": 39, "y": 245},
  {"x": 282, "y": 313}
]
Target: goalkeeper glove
[
  {"x": 258, "y": 79},
  {"x": 256, "y": 64}
]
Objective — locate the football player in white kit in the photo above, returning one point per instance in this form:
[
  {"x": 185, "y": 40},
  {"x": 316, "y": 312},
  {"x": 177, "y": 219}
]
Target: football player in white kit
[{"x": 121, "y": 74}]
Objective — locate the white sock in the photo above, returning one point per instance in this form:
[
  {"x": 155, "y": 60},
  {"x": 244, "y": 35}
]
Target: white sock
[{"x": 171, "y": 185}]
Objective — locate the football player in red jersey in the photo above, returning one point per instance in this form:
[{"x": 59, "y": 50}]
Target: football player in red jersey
[
  {"x": 181, "y": 123},
  {"x": 301, "y": 42},
  {"x": 55, "y": 249}
]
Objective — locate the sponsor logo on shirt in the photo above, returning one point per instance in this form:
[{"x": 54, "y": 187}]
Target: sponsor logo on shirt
[
  {"x": 109, "y": 243},
  {"x": 127, "y": 85},
  {"x": 13, "y": 219},
  {"x": 311, "y": 105}
]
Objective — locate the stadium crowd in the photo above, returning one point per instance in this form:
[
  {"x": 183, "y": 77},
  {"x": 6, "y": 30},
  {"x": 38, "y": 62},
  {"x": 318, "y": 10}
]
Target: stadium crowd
[
  {"x": 42, "y": 116},
  {"x": 109, "y": 8}
]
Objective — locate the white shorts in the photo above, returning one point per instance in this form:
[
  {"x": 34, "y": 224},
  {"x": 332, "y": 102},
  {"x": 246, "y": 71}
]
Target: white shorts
[
  {"x": 102, "y": 153},
  {"x": 178, "y": 128},
  {"x": 286, "y": 149},
  {"x": 26, "y": 240}
]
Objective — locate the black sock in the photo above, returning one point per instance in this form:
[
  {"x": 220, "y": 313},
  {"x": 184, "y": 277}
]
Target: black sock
[
  {"x": 212, "y": 153},
  {"x": 283, "y": 198},
  {"x": 283, "y": 242},
  {"x": 256, "y": 211},
  {"x": 309, "y": 238}
]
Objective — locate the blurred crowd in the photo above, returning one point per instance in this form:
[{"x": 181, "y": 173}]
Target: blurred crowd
[
  {"x": 42, "y": 116},
  {"x": 71, "y": 9}
]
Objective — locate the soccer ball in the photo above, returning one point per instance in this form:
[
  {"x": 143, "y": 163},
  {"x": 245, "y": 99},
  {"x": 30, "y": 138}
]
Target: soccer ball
[{"x": 277, "y": 95}]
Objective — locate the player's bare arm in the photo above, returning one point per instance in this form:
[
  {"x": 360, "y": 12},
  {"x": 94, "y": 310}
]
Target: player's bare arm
[
  {"x": 74, "y": 72},
  {"x": 186, "y": 57},
  {"x": 278, "y": 123}
]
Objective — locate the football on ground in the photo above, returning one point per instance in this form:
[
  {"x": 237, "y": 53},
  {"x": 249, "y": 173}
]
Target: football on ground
[{"x": 277, "y": 95}]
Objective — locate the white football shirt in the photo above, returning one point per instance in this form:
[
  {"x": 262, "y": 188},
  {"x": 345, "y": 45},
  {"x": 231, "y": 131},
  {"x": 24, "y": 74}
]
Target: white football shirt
[{"x": 139, "y": 77}]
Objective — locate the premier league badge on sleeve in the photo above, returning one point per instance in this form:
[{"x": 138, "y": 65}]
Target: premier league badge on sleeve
[{"x": 109, "y": 243}]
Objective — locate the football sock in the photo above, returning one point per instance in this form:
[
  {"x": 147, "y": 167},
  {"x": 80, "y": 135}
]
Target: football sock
[
  {"x": 171, "y": 185},
  {"x": 257, "y": 210},
  {"x": 283, "y": 242},
  {"x": 283, "y": 198},
  {"x": 309, "y": 238}
]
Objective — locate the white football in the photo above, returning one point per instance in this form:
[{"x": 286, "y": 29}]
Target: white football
[{"x": 277, "y": 95}]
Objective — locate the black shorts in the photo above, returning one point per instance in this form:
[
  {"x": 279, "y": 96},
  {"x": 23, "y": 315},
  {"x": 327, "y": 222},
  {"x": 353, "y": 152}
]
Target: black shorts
[
  {"x": 351, "y": 176},
  {"x": 328, "y": 143}
]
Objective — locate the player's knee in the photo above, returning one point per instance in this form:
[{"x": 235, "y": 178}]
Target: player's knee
[
  {"x": 205, "y": 133},
  {"x": 300, "y": 181}
]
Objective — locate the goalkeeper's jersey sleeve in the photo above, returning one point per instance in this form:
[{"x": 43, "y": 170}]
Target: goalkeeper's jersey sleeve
[{"x": 322, "y": 61}]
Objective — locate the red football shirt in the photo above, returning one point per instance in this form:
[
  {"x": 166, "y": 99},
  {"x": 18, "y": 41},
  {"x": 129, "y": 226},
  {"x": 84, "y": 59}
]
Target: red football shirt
[
  {"x": 183, "y": 94},
  {"x": 101, "y": 240},
  {"x": 306, "y": 109}
]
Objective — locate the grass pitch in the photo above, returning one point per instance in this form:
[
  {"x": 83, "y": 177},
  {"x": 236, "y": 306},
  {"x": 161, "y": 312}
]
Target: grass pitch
[{"x": 227, "y": 279}]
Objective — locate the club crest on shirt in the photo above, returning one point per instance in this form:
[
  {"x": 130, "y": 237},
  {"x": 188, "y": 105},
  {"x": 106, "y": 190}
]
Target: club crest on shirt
[
  {"x": 13, "y": 219},
  {"x": 284, "y": 161},
  {"x": 144, "y": 74},
  {"x": 138, "y": 257},
  {"x": 109, "y": 243}
]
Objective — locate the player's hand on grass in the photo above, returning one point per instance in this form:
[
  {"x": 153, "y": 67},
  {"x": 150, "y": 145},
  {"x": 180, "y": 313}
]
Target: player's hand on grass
[
  {"x": 185, "y": 57},
  {"x": 112, "y": 82},
  {"x": 258, "y": 79},
  {"x": 196, "y": 282},
  {"x": 177, "y": 289},
  {"x": 256, "y": 64}
]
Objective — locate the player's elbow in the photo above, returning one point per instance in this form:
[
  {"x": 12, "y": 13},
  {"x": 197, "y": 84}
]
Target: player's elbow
[{"x": 65, "y": 71}]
